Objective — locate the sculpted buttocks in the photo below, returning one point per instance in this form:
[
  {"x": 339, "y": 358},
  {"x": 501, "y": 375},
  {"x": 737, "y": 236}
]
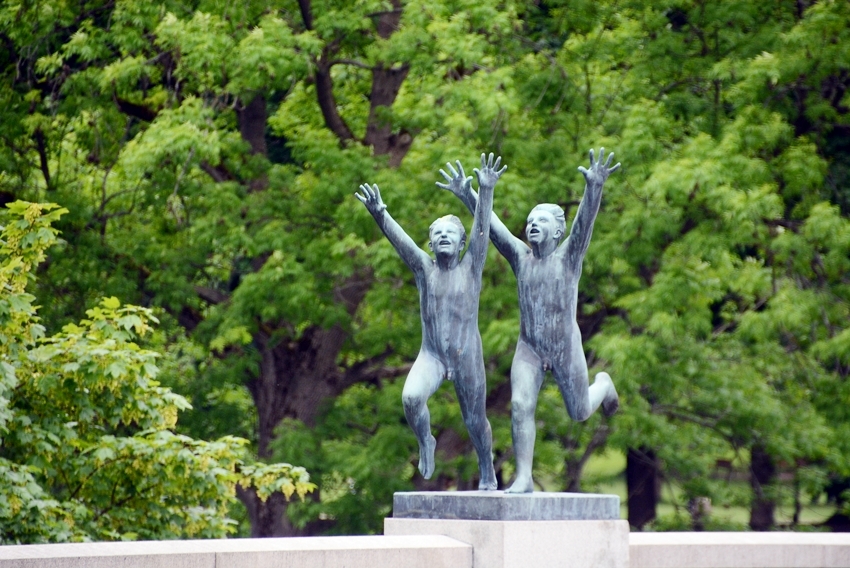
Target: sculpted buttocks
[
  {"x": 448, "y": 297},
  {"x": 547, "y": 282}
]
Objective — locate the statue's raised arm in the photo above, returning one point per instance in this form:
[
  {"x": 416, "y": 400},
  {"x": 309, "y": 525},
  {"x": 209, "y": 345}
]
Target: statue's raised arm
[
  {"x": 488, "y": 175},
  {"x": 582, "y": 228},
  {"x": 412, "y": 255},
  {"x": 508, "y": 245}
]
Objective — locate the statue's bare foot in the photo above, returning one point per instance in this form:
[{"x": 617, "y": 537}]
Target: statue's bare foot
[
  {"x": 611, "y": 402},
  {"x": 488, "y": 479},
  {"x": 426, "y": 457},
  {"x": 523, "y": 484}
]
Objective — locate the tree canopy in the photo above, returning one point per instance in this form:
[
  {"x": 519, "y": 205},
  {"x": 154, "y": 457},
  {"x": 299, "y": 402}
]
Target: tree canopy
[
  {"x": 88, "y": 447},
  {"x": 207, "y": 153}
]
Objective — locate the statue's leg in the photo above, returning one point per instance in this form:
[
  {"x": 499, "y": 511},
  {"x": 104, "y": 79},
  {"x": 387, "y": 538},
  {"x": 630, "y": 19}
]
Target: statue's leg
[
  {"x": 570, "y": 373},
  {"x": 471, "y": 388},
  {"x": 526, "y": 379},
  {"x": 424, "y": 379}
]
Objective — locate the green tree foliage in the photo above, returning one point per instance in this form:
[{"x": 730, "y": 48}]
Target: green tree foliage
[
  {"x": 88, "y": 448},
  {"x": 208, "y": 152}
]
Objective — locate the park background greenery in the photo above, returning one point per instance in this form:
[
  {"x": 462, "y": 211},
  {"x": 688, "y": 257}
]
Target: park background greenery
[{"x": 207, "y": 153}]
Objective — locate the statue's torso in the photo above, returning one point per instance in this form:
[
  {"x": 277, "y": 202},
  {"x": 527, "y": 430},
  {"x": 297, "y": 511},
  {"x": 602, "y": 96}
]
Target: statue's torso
[
  {"x": 548, "y": 293},
  {"x": 449, "y": 309}
]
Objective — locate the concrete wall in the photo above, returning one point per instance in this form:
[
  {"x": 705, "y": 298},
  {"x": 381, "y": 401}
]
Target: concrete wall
[
  {"x": 739, "y": 550},
  {"x": 646, "y": 550},
  {"x": 314, "y": 552}
]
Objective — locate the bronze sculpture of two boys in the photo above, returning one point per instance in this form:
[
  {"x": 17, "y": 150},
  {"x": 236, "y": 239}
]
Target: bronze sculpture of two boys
[{"x": 547, "y": 272}]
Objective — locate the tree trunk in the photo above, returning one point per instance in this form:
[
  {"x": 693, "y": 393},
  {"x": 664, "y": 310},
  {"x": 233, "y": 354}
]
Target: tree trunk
[
  {"x": 252, "y": 127},
  {"x": 327, "y": 101},
  {"x": 762, "y": 478},
  {"x": 268, "y": 519},
  {"x": 297, "y": 374},
  {"x": 642, "y": 486},
  {"x": 386, "y": 83},
  {"x": 252, "y": 124}
]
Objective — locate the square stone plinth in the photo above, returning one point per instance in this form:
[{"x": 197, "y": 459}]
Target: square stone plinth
[
  {"x": 501, "y": 506},
  {"x": 529, "y": 544}
]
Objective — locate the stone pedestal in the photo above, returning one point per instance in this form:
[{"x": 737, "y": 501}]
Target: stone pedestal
[{"x": 539, "y": 530}]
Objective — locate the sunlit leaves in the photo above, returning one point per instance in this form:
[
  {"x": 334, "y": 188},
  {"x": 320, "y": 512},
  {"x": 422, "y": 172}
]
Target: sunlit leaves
[{"x": 86, "y": 429}]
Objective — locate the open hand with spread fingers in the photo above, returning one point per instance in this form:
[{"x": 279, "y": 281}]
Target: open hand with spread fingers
[
  {"x": 599, "y": 172},
  {"x": 489, "y": 173},
  {"x": 371, "y": 198},
  {"x": 458, "y": 182}
]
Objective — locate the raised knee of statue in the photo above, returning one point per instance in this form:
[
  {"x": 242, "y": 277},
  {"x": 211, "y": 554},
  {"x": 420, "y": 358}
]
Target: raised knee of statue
[
  {"x": 581, "y": 414},
  {"x": 413, "y": 399}
]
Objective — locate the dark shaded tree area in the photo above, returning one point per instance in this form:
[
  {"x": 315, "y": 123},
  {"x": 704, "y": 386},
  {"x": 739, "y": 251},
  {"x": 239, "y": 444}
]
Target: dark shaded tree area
[{"x": 208, "y": 153}]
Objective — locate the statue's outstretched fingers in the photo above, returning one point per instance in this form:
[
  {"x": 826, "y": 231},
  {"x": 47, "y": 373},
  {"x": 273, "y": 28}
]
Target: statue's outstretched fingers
[
  {"x": 591, "y": 157},
  {"x": 609, "y": 160},
  {"x": 460, "y": 169},
  {"x": 498, "y": 162},
  {"x": 615, "y": 168},
  {"x": 601, "y": 156},
  {"x": 451, "y": 169}
]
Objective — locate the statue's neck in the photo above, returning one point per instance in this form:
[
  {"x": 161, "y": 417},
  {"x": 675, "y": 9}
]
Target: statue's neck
[
  {"x": 447, "y": 261},
  {"x": 544, "y": 249}
]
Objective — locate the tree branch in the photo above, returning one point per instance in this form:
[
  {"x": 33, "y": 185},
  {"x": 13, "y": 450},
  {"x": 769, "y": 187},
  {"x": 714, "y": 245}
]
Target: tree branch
[
  {"x": 219, "y": 173},
  {"x": 306, "y": 13},
  {"x": 41, "y": 146},
  {"x": 327, "y": 102},
  {"x": 386, "y": 83},
  {"x": 211, "y": 295},
  {"x": 352, "y": 62},
  {"x": 353, "y": 289},
  {"x": 372, "y": 370},
  {"x": 132, "y": 109},
  {"x": 189, "y": 318}
]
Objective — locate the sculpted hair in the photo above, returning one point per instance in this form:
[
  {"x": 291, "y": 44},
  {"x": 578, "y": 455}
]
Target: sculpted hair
[
  {"x": 454, "y": 220},
  {"x": 558, "y": 213}
]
